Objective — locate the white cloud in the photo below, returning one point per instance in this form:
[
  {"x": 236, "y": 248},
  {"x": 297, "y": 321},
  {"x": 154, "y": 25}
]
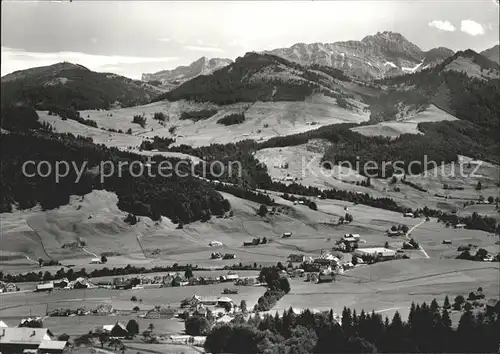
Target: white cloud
[
  {"x": 204, "y": 49},
  {"x": 164, "y": 39},
  {"x": 471, "y": 27},
  {"x": 442, "y": 25},
  {"x": 18, "y": 59}
]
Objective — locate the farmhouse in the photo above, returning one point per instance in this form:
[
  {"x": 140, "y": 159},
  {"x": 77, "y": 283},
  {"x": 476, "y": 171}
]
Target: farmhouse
[
  {"x": 380, "y": 252},
  {"x": 161, "y": 312},
  {"x": 286, "y": 234},
  {"x": 62, "y": 283},
  {"x": 326, "y": 276},
  {"x": 223, "y": 301},
  {"x": 214, "y": 243},
  {"x": 104, "y": 284},
  {"x": 248, "y": 281},
  {"x": 299, "y": 258},
  {"x": 408, "y": 215},
  {"x": 7, "y": 287},
  {"x": 95, "y": 261},
  {"x": 228, "y": 291},
  {"x": 52, "y": 346},
  {"x": 229, "y": 256},
  {"x": 352, "y": 236},
  {"x": 122, "y": 283},
  {"x": 118, "y": 330},
  {"x": 19, "y": 339},
  {"x": 459, "y": 226},
  {"x": 49, "y": 286},
  {"x": 80, "y": 283},
  {"x": 229, "y": 277},
  {"x": 326, "y": 259},
  {"x": 216, "y": 255},
  {"x": 205, "y": 300}
]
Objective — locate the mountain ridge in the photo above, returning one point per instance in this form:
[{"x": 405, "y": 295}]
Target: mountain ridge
[
  {"x": 64, "y": 84},
  {"x": 492, "y": 53},
  {"x": 375, "y": 56},
  {"x": 201, "y": 66}
]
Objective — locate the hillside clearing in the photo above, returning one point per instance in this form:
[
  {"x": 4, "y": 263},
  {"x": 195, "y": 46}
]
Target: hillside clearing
[
  {"x": 263, "y": 120},
  {"x": 394, "y": 129}
]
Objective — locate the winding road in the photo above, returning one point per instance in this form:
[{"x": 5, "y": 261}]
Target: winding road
[{"x": 408, "y": 238}]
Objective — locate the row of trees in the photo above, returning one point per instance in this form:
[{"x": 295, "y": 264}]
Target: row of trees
[
  {"x": 197, "y": 115},
  {"x": 277, "y": 287},
  {"x": 71, "y": 274},
  {"x": 428, "y": 330},
  {"x": 158, "y": 143}
]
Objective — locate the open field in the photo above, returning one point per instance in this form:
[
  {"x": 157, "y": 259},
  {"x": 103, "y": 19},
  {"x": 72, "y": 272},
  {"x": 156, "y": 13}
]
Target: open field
[
  {"x": 391, "y": 286},
  {"x": 264, "y": 120},
  {"x": 393, "y": 129},
  {"x": 97, "y": 221},
  {"x": 13, "y": 308}
]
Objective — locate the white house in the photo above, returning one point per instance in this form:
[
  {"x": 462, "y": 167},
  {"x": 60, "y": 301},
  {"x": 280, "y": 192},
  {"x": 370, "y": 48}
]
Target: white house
[
  {"x": 95, "y": 261},
  {"x": 375, "y": 251},
  {"x": 49, "y": 286}
]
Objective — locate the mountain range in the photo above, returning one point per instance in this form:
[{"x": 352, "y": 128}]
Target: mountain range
[
  {"x": 202, "y": 66},
  {"x": 375, "y": 56}
]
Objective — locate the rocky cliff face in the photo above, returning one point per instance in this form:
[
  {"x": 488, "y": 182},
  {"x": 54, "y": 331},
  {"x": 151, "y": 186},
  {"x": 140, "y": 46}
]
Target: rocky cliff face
[
  {"x": 383, "y": 54},
  {"x": 202, "y": 66}
]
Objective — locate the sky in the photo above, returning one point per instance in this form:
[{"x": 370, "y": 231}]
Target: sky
[{"x": 132, "y": 37}]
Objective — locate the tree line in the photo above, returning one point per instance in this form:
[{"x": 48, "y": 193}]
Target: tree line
[{"x": 428, "y": 330}]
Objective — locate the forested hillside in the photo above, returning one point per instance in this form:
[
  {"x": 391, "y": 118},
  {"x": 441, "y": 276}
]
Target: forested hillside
[
  {"x": 183, "y": 199},
  {"x": 64, "y": 84},
  {"x": 257, "y": 77},
  {"x": 469, "y": 98}
]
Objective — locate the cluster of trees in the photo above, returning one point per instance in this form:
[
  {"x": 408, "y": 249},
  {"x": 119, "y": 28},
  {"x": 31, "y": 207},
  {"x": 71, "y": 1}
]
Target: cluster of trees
[
  {"x": 479, "y": 256},
  {"x": 473, "y": 222},
  {"x": 411, "y": 245},
  {"x": 182, "y": 199},
  {"x": 198, "y": 115},
  {"x": 233, "y": 118},
  {"x": 158, "y": 143},
  {"x": 160, "y": 116},
  {"x": 19, "y": 118},
  {"x": 277, "y": 287},
  {"x": 428, "y": 330},
  {"x": 139, "y": 119},
  {"x": 72, "y": 114}
]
